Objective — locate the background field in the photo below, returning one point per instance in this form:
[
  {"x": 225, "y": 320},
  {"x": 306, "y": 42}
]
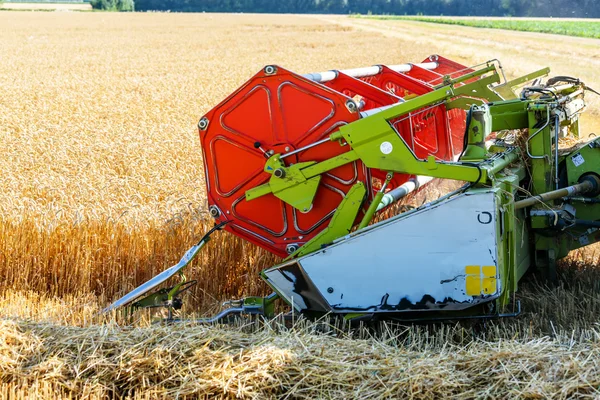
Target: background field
[
  {"x": 575, "y": 27},
  {"x": 46, "y": 6},
  {"x": 102, "y": 187}
]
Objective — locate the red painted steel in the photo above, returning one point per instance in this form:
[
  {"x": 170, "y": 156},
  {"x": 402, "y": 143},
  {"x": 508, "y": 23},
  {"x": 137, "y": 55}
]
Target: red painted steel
[
  {"x": 282, "y": 112},
  {"x": 430, "y": 131},
  {"x": 279, "y": 111}
]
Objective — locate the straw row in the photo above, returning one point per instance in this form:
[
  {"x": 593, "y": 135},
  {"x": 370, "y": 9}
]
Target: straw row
[{"x": 196, "y": 361}]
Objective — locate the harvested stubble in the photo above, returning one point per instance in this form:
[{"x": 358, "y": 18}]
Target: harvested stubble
[
  {"x": 163, "y": 362},
  {"x": 61, "y": 347}
]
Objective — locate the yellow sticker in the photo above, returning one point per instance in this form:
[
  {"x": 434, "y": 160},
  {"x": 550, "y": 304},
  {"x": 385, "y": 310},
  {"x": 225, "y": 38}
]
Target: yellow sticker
[
  {"x": 480, "y": 280},
  {"x": 488, "y": 282},
  {"x": 473, "y": 280}
]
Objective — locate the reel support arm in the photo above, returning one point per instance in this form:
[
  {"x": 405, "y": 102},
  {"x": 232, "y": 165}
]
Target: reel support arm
[{"x": 377, "y": 144}]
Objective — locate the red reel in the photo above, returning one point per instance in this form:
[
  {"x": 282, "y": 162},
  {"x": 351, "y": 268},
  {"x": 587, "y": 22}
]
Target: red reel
[{"x": 278, "y": 111}]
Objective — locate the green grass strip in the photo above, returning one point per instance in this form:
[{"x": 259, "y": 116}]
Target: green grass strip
[{"x": 581, "y": 28}]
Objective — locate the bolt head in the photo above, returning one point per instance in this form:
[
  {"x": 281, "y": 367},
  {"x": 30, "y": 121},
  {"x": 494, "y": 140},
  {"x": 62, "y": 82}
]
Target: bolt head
[
  {"x": 351, "y": 106},
  {"x": 203, "y": 123},
  {"x": 214, "y": 212},
  {"x": 279, "y": 173},
  {"x": 291, "y": 248}
]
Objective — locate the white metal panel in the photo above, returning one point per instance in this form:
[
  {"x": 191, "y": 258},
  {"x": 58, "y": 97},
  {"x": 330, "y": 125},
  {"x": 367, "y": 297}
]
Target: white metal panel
[
  {"x": 285, "y": 283},
  {"x": 423, "y": 254},
  {"x": 157, "y": 280}
]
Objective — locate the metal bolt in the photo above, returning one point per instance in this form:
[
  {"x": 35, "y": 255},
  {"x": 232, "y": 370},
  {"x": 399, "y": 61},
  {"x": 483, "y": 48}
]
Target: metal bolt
[
  {"x": 214, "y": 211},
  {"x": 329, "y": 290},
  {"x": 203, "y": 123},
  {"x": 279, "y": 173},
  {"x": 305, "y": 210},
  {"x": 292, "y": 248},
  {"x": 351, "y": 106},
  {"x": 270, "y": 70}
]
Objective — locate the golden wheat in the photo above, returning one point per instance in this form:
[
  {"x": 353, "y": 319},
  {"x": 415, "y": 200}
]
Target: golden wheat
[{"x": 102, "y": 180}]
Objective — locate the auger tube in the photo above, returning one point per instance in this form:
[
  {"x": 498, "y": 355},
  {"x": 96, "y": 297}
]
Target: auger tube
[
  {"x": 372, "y": 111},
  {"x": 403, "y": 190}
]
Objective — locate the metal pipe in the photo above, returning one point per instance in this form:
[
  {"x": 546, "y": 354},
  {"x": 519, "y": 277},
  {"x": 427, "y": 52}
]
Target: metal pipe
[
  {"x": 556, "y": 133},
  {"x": 584, "y": 200},
  {"x": 468, "y": 76},
  {"x": 220, "y": 316},
  {"x": 538, "y": 131},
  {"x": 372, "y": 111},
  {"x": 570, "y": 96},
  {"x": 376, "y": 200},
  {"x": 587, "y": 223},
  {"x": 362, "y": 72},
  {"x": 305, "y": 148},
  {"x": 501, "y": 161},
  {"x": 403, "y": 190},
  {"x": 579, "y": 188}
]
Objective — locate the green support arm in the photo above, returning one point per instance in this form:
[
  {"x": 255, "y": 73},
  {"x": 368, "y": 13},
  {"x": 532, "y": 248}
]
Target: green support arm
[{"x": 376, "y": 143}]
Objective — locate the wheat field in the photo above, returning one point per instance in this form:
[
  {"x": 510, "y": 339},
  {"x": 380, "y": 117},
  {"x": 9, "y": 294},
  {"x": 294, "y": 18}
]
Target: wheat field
[{"x": 102, "y": 187}]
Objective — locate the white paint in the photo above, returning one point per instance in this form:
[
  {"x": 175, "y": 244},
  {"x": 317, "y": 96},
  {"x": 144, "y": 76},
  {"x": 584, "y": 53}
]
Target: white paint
[
  {"x": 372, "y": 111},
  {"x": 362, "y": 72},
  {"x": 386, "y": 147},
  {"x": 157, "y": 280},
  {"x": 573, "y": 108},
  {"x": 578, "y": 159},
  {"x": 423, "y": 253}
]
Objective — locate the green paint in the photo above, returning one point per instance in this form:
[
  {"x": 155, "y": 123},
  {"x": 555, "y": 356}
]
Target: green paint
[
  {"x": 480, "y": 126},
  {"x": 579, "y": 28},
  {"x": 506, "y": 90},
  {"x": 375, "y": 203},
  {"x": 341, "y": 223},
  {"x": 522, "y": 240}
]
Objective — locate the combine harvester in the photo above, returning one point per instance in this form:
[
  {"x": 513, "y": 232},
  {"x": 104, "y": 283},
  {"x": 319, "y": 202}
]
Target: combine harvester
[{"x": 301, "y": 165}]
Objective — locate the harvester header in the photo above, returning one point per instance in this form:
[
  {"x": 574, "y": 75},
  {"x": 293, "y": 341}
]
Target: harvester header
[{"x": 302, "y": 164}]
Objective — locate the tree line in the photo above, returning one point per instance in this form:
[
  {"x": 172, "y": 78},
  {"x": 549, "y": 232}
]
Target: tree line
[{"x": 496, "y": 8}]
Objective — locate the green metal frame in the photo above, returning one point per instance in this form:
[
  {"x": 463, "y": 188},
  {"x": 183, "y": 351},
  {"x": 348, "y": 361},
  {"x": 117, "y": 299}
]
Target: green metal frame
[
  {"x": 511, "y": 171},
  {"x": 501, "y": 167}
]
